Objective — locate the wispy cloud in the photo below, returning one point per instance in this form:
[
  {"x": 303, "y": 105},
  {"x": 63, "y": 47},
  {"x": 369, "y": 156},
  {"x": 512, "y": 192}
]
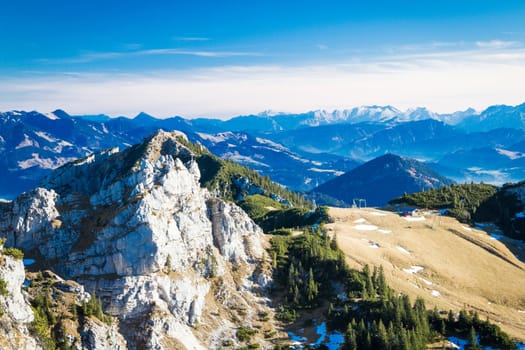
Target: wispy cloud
[
  {"x": 322, "y": 46},
  {"x": 448, "y": 79},
  {"x": 99, "y": 56},
  {"x": 495, "y": 44},
  {"x": 191, "y": 38},
  {"x": 196, "y": 53}
]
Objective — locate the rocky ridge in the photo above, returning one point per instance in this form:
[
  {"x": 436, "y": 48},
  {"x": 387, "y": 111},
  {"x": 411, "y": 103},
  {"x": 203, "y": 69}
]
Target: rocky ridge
[
  {"x": 166, "y": 256},
  {"x": 15, "y": 312}
]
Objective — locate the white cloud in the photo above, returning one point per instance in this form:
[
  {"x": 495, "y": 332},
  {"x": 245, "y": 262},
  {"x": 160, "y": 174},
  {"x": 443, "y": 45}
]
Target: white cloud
[
  {"x": 442, "y": 81},
  {"x": 99, "y": 56},
  {"x": 495, "y": 44},
  {"x": 191, "y": 38},
  {"x": 196, "y": 53}
]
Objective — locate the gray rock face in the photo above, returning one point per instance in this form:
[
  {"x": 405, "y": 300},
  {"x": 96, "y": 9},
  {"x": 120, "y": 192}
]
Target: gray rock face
[
  {"x": 15, "y": 312},
  {"x": 137, "y": 228},
  {"x": 96, "y": 335}
]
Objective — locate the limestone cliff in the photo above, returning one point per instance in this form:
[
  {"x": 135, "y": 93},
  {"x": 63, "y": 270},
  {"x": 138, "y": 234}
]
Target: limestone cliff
[
  {"x": 171, "y": 261},
  {"x": 15, "y": 312}
]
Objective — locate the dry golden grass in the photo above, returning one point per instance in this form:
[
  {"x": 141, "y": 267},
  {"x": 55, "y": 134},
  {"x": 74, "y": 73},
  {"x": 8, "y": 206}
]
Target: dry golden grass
[{"x": 462, "y": 267}]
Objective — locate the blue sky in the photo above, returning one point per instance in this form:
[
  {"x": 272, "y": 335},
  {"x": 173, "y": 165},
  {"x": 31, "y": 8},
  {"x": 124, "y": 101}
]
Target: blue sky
[{"x": 223, "y": 58}]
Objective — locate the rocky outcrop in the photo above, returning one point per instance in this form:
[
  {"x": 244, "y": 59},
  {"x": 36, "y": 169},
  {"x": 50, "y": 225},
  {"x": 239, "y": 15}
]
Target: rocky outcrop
[
  {"x": 96, "y": 335},
  {"x": 136, "y": 228},
  {"x": 15, "y": 312}
]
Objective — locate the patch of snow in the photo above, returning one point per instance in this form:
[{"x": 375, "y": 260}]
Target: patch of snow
[
  {"x": 44, "y": 163},
  {"x": 321, "y": 331},
  {"x": 365, "y": 227},
  {"x": 59, "y": 147},
  {"x": 359, "y": 221},
  {"x": 317, "y": 170},
  {"x": 213, "y": 138},
  {"x": 51, "y": 116},
  {"x": 414, "y": 218},
  {"x": 496, "y": 236},
  {"x": 28, "y": 262},
  {"x": 45, "y": 136},
  {"x": 435, "y": 293},
  {"x": 458, "y": 343},
  {"x": 272, "y": 144},
  {"x": 427, "y": 282},
  {"x": 374, "y": 245},
  {"x": 296, "y": 339},
  {"x": 335, "y": 341},
  {"x": 26, "y": 142},
  {"x": 384, "y": 231},
  {"x": 403, "y": 250},
  {"x": 236, "y": 157},
  {"x": 521, "y": 311},
  {"x": 414, "y": 269},
  {"x": 376, "y": 213},
  {"x": 414, "y": 285},
  {"x": 466, "y": 228}
]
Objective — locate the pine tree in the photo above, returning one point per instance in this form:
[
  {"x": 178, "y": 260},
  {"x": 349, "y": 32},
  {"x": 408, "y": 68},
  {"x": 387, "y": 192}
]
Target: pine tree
[
  {"x": 473, "y": 342},
  {"x": 404, "y": 340},
  {"x": 382, "y": 335},
  {"x": 443, "y": 327},
  {"x": 312, "y": 289},
  {"x": 451, "y": 319},
  {"x": 350, "y": 338},
  {"x": 382, "y": 287}
]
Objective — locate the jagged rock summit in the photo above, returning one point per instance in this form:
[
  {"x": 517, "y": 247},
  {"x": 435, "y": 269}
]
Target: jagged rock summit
[{"x": 137, "y": 228}]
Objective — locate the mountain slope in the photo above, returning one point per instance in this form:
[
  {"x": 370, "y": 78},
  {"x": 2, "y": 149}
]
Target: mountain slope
[
  {"x": 32, "y": 144},
  {"x": 381, "y": 180},
  {"x": 297, "y": 171},
  {"x": 162, "y": 252},
  {"x": 449, "y": 264}
]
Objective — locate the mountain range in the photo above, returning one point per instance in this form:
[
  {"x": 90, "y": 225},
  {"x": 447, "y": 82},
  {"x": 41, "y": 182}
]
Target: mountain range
[
  {"x": 158, "y": 246},
  {"x": 299, "y": 151}
]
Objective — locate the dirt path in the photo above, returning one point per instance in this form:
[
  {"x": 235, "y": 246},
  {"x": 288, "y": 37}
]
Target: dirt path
[{"x": 447, "y": 263}]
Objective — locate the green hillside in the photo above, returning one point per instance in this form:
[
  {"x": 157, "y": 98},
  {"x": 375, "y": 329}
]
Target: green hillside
[{"x": 466, "y": 202}]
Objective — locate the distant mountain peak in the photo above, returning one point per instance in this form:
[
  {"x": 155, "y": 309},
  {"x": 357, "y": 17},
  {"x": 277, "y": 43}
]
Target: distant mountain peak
[
  {"x": 61, "y": 114},
  {"x": 382, "y": 179},
  {"x": 143, "y": 116},
  {"x": 269, "y": 113}
]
